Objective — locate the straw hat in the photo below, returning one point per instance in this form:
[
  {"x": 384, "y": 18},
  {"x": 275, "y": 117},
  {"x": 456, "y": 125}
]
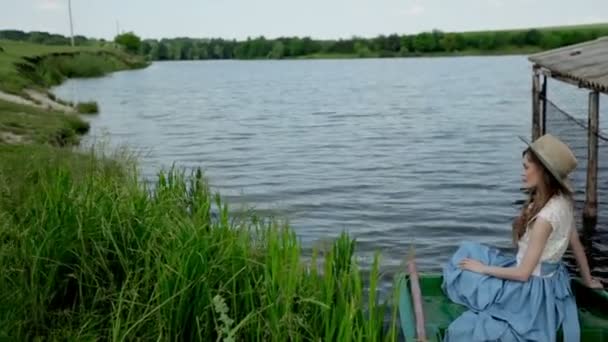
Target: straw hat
[{"x": 555, "y": 156}]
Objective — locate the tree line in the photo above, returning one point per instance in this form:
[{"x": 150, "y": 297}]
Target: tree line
[
  {"x": 394, "y": 45},
  {"x": 382, "y": 46},
  {"x": 46, "y": 38}
]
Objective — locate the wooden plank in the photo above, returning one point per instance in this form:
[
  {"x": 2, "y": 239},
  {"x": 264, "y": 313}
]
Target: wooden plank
[
  {"x": 590, "y": 211},
  {"x": 536, "y": 120},
  {"x": 406, "y": 310},
  {"x": 417, "y": 300}
]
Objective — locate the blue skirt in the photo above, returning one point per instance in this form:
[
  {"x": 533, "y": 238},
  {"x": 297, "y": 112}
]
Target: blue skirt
[{"x": 506, "y": 310}]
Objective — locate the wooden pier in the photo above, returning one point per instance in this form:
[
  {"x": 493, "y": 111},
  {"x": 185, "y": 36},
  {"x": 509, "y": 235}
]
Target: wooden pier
[{"x": 585, "y": 66}]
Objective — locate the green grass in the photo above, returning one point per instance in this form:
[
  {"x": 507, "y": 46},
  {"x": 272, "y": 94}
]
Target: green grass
[
  {"x": 26, "y": 65},
  {"x": 13, "y": 54},
  {"x": 32, "y": 65},
  {"x": 90, "y": 107},
  {"x": 26, "y": 124},
  {"x": 88, "y": 252}
]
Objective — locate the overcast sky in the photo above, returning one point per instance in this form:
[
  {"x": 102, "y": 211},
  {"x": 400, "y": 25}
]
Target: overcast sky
[{"x": 272, "y": 18}]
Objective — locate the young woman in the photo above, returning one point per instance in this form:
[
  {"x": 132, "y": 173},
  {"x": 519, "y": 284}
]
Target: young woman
[{"x": 526, "y": 298}]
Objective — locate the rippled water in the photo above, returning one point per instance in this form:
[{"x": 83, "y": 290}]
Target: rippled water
[{"x": 397, "y": 152}]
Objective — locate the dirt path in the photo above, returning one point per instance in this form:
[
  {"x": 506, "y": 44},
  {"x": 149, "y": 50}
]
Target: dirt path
[
  {"x": 17, "y": 99},
  {"x": 40, "y": 100}
]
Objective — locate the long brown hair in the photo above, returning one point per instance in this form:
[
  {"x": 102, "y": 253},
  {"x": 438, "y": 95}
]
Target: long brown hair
[{"x": 538, "y": 197}]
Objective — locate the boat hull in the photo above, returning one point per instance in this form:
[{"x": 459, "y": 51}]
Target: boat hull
[{"x": 439, "y": 311}]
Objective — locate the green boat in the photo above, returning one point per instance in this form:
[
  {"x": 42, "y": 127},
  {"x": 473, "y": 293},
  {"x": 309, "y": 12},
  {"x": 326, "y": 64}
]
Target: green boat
[{"x": 439, "y": 311}]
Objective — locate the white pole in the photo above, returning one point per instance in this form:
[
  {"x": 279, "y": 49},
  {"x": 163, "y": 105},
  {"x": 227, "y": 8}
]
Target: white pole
[{"x": 71, "y": 25}]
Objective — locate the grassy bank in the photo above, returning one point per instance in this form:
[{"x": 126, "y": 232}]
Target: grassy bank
[
  {"x": 89, "y": 252},
  {"x": 24, "y": 65},
  {"x": 31, "y": 67},
  {"x": 21, "y": 124}
]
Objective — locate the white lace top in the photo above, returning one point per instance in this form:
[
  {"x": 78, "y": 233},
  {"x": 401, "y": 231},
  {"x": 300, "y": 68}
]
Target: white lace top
[{"x": 559, "y": 212}]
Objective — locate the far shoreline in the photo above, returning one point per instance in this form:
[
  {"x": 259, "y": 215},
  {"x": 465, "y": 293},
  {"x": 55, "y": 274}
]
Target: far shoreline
[{"x": 522, "y": 52}]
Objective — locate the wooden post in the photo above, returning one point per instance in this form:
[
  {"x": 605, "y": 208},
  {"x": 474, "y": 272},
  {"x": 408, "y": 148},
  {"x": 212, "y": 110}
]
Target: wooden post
[
  {"x": 417, "y": 300},
  {"x": 543, "y": 103},
  {"x": 590, "y": 211},
  {"x": 536, "y": 112}
]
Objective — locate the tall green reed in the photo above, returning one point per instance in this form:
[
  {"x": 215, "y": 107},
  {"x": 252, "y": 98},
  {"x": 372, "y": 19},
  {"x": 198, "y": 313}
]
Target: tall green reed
[{"x": 90, "y": 252}]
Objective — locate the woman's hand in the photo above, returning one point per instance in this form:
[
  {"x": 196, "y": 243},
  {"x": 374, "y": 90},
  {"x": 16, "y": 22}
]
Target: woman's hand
[
  {"x": 594, "y": 284},
  {"x": 472, "y": 265}
]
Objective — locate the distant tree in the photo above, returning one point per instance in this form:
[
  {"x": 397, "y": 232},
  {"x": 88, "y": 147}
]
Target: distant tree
[
  {"x": 449, "y": 42},
  {"x": 259, "y": 47},
  {"x": 472, "y": 40},
  {"x": 572, "y": 37},
  {"x": 437, "y": 37},
  {"x": 404, "y": 51},
  {"x": 393, "y": 43},
  {"x": 186, "y": 48},
  {"x": 294, "y": 47},
  {"x": 37, "y": 37},
  {"x": 310, "y": 46},
  {"x": 228, "y": 48},
  {"x": 175, "y": 50},
  {"x": 129, "y": 41},
  {"x": 154, "y": 47},
  {"x": 551, "y": 40},
  {"x": 425, "y": 42},
  {"x": 518, "y": 38},
  {"x": 218, "y": 51},
  {"x": 242, "y": 49},
  {"x": 501, "y": 39},
  {"x": 379, "y": 43},
  {"x": 407, "y": 43},
  {"x": 361, "y": 49},
  {"x": 487, "y": 42},
  {"x": 278, "y": 50},
  {"x": 532, "y": 37},
  {"x": 203, "y": 50},
  {"x": 13, "y": 35},
  {"x": 163, "y": 51},
  {"x": 195, "y": 52},
  {"x": 286, "y": 47},
  {"x": 51, "y": 39},
  {"x": 145, "y": 48},
  {"x": 341, "y": 46}
]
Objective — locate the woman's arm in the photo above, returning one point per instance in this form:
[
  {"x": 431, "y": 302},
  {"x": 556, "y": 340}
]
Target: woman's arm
[
  {"x": 538, "y": 239},
  {"x": 581, "y": 259}
]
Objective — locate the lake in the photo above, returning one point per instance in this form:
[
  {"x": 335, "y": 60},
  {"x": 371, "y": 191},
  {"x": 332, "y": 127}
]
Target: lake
[{"x": 398, "y": 152}]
